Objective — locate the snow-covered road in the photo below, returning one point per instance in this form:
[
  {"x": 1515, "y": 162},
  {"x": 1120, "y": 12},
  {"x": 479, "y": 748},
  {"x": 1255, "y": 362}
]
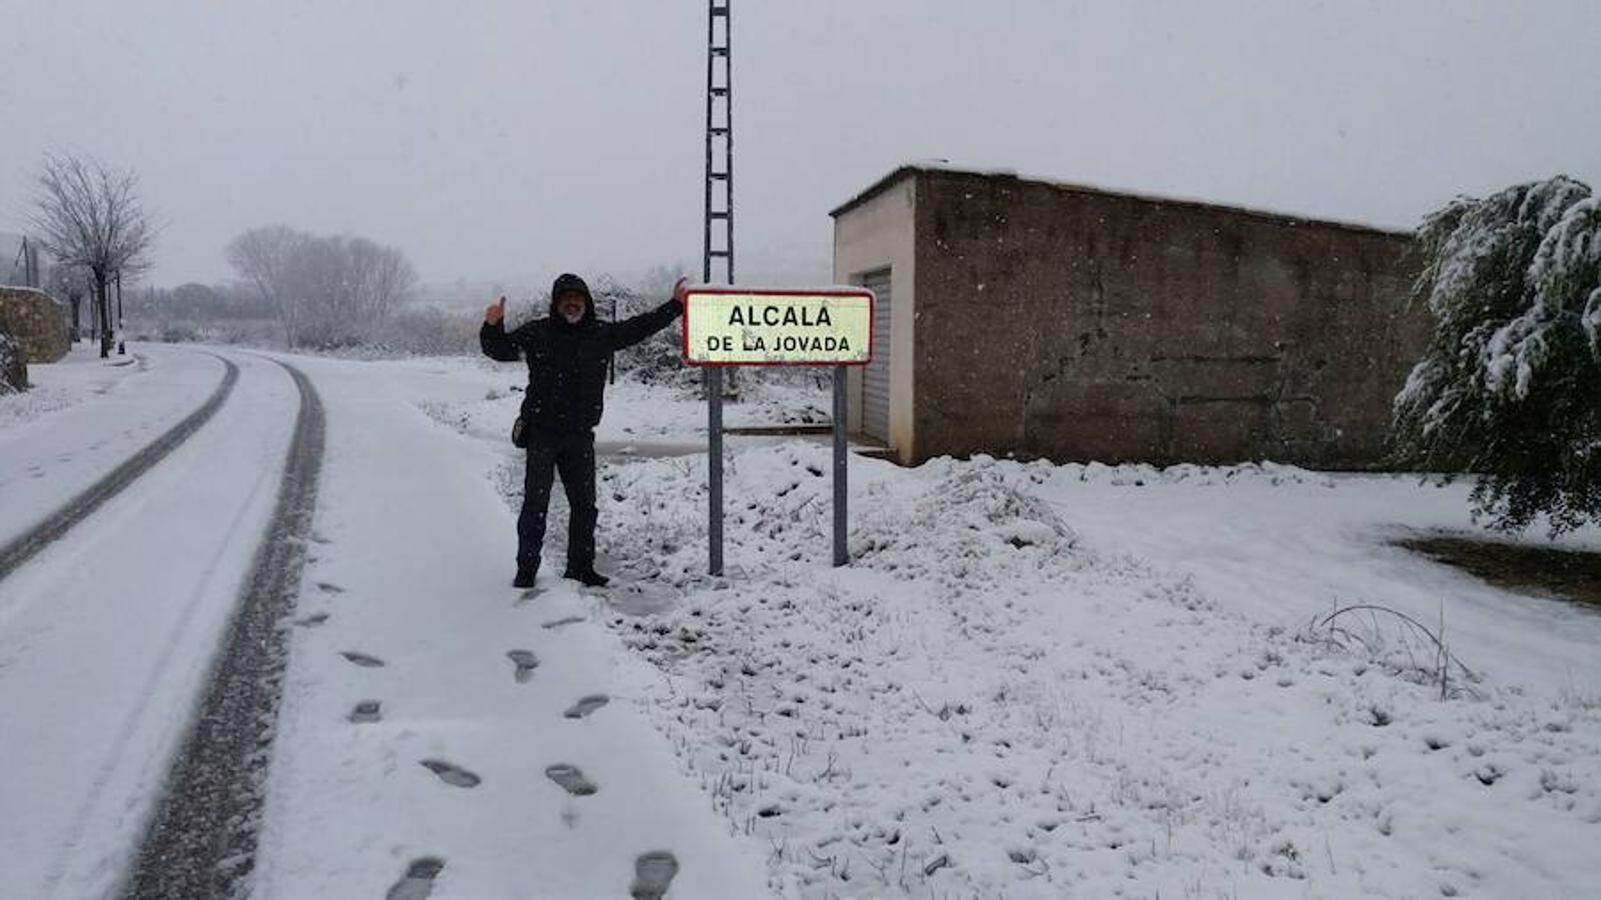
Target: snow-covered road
[
  {"x": 106, "y": 636},
  {"x": 109, "y": 414},
  {"x": 476, "y": 692}
]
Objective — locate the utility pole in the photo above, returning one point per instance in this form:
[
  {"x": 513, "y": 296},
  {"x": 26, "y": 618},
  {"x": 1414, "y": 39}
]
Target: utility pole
[
  {"x": 30, "y": 262},
  {"x": 719, "y": 209}
]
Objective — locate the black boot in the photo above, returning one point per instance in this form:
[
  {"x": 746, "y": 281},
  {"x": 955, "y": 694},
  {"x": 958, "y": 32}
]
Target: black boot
[
  {"x": 525, "y": 576},
  {"x": 587, "y": 576}
]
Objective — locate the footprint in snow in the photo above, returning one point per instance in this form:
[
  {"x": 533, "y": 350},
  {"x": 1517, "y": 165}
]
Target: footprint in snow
[
  {"x": 562, "y": 623},
  {"x": 366, "y": 711},
  {"x": 418, "y": 881},
  {"x": 362, "y": 659},
  {"x": 572, "y": 780},
  {"x": 586, "y": 705},
  {"x": 653, "y": 872},
  {"x": 328, "y": 587},
  {"x": 312, "y": 621},
  {"x": 525, "y": 661},
  {"x": 451, "y": 774}
]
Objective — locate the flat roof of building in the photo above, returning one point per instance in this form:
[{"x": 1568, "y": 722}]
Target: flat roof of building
[{"x": 932, "y": 168}]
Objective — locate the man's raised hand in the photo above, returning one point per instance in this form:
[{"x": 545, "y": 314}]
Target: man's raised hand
[
  {"x": 681, "y": 289},
  {"x": 495, "y": 313}
]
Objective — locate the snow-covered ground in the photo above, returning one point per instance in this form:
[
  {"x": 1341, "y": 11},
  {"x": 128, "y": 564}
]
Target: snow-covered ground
[
  {"x": 1047, "y": 681},
  {"x": 639, "y": 419},
  {"x": 1052, "y": 681},
  {"x": 80, "y": 375},
  {"x": 120, "y": 406},
  {"x": 1032, "y": 681}
]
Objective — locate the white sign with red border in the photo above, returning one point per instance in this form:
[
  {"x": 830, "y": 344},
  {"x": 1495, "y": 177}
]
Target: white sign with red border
[{"x": 743, "y": 326}]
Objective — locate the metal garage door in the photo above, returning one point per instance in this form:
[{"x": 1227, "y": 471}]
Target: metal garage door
[{"x": 875, "y": 381}]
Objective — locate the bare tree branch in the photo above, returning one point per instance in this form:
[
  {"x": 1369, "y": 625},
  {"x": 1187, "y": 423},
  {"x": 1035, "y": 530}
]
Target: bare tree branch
[
  {"x": 89, "y": 216},
  {"x": 327, "y": 290}
]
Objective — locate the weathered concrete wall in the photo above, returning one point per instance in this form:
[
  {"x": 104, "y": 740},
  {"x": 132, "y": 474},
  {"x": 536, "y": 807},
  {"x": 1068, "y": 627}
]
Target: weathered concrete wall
[
  {"x": 36, "y": 321},
  {"x": 876, "y": 235},
  {"x": 1075, "y": 324}
]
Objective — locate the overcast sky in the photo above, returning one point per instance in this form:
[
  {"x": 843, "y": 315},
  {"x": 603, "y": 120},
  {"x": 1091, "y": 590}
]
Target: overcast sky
[{"x": 508, "y": 140}]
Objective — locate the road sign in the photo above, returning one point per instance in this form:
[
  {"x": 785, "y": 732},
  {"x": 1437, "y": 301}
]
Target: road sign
[{"x": 742, "y": 326}]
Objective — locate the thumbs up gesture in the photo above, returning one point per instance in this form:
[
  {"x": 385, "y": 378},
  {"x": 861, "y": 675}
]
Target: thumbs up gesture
[{"x": 495, "y": 313}]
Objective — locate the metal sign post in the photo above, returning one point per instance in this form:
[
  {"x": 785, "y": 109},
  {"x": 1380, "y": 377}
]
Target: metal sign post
[
  {"x": 841, "y": 553},
  {"x": 714, "y": 470},
  {"x": 743, "y": 326}
]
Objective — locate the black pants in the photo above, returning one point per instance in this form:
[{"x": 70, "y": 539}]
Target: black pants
[{"x": 573, "y": 456}]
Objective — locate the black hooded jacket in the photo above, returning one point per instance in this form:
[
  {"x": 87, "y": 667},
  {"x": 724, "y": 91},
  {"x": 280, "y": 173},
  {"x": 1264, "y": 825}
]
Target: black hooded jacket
[{"x": 567, "y": 363}]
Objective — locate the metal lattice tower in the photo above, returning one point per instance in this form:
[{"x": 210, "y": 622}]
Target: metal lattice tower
[
  {"x": 719, "y": 210},
  {"x": 719, "y": 146}
]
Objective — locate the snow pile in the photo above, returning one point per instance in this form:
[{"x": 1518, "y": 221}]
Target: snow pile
[
  {"x": 1142, "y": 474},
  {"x": 970, "y": 528},
  {"x": 980, "y": 705}
]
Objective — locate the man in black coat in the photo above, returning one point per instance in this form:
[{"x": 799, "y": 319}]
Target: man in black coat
[{"x": 567, "y": 353}]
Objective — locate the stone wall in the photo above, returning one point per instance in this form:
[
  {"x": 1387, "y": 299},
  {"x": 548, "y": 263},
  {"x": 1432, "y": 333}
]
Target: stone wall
[
  {"x": 1076, "y": 324},
  {"x": 37, "y": 321}
]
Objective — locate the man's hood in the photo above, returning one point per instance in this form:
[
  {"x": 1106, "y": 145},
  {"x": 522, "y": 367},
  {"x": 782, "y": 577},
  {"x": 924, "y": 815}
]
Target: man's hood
[{"x": 571, "y": 282}]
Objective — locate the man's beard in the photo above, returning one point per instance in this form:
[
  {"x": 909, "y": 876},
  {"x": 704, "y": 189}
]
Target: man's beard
[{"x": 573, "y": 318}]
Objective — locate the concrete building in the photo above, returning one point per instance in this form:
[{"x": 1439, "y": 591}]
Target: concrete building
[{"x": 1051, "y": 320}]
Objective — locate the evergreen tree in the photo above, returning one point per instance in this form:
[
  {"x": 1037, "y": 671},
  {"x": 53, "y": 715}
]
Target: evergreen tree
[{"x": 1510, "y": 388}]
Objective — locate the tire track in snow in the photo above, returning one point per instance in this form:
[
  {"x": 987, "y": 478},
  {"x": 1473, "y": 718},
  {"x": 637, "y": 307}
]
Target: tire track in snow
[
  {"x": 202, "y": 839},
  {"x": 29, "y": 543}
]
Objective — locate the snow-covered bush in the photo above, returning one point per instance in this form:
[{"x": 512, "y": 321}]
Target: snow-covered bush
[
  {"x": 1510, "y": 387},
  {"x": 426, "y": 331},
  {"x": 657, "y": 360},
  {"x": 13, "y": 365}
]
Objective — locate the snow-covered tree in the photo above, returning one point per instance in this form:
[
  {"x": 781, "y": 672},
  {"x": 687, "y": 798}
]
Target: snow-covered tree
[
  {"x": 1510, "y": 388},
  {"x": 13, "y": 365}
]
